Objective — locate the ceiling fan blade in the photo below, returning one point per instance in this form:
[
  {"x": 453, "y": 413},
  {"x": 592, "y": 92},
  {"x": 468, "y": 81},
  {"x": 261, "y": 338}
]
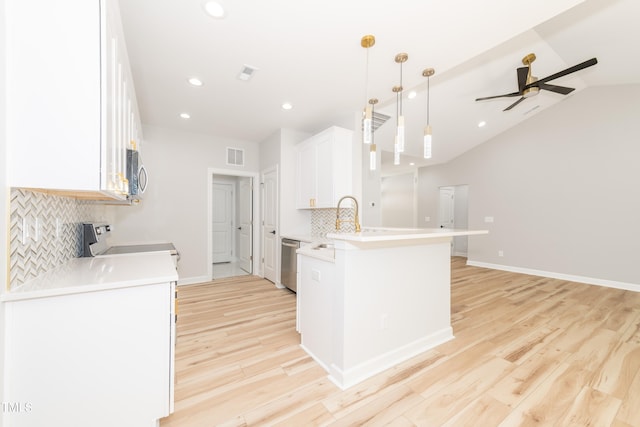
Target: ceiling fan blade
[
  {"x": 514, "y": 104},
  {"x": 522, "y": 77},
  {"x": 557, "y": 89},
  {"x": 585, "y": 64},
  {"x": 507, "y": 95}
]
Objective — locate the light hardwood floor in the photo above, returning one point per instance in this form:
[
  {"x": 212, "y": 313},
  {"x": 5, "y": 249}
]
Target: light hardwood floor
[{"x": 528, "y": 351}]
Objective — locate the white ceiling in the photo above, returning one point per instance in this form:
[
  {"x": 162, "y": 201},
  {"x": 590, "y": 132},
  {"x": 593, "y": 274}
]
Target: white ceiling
[{"x": 308, "y": 52}]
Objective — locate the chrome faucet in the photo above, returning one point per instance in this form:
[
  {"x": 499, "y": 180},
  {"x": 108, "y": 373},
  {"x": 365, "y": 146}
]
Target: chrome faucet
[{"x": 356, "y": 220}]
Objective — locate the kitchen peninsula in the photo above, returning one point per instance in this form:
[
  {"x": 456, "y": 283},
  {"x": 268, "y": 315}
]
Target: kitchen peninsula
[{"x": 377, "y": 298}]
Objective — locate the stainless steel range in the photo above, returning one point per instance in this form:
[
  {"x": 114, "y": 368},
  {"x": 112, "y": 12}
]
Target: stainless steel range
[{"x": 95, "y": 244}]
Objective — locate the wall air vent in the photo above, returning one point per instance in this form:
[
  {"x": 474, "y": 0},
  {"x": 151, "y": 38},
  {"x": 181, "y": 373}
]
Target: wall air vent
[
  {"x": 235, "y": 156},
  {"x": 246, "y": 73},
  {"x": 378, "y": 120}
]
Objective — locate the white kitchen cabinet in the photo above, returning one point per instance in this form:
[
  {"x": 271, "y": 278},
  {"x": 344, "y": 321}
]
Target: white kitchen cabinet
[
  {"x": 71, "y": 105},
  {"x": 324, "y": 168},
  {"x": 315, "y": 294},
  {"x": 101, "y": 358}
]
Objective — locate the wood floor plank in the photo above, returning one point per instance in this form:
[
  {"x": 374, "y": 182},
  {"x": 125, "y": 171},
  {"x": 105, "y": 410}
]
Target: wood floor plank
[
  {"x": 592, "y": 408},
  {"x": 527, "y": 351}
]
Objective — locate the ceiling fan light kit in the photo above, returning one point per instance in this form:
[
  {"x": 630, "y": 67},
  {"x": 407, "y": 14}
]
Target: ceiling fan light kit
[{"x": 529, "y": 86}]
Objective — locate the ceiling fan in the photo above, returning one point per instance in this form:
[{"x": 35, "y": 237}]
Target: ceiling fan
[{"x": 529, "y": 86}]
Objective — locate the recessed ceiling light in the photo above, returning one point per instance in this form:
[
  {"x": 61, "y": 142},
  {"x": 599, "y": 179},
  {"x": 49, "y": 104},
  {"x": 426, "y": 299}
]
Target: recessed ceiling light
[
  {"x": 214, "y": 9},
  {"x": 482, "y": 124},
  {"x": 185, "y": 115},
  {"x": 194, "y": 81},
  {"x": 287, "y": 106},
  {"x": 412, "y": 94}
]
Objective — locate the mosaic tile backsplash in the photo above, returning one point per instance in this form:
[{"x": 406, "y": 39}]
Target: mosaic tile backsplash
[
  {"x": 45, "y": 232},
  {"x": 323, "y": 221}
]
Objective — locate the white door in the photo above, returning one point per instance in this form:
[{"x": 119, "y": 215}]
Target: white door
[
  {"x": 245, "y": 194},
  {"x": 269, "y": 222},
  {"x": 222, "y": 222},
  {"x": 446, "y": 209}
]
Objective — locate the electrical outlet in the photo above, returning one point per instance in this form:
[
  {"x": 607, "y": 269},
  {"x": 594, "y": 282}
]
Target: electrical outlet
[
  {"x": 427, "y": 219},
  {"x": 501, "y": 253},
  {"x": 315, "y": 275},
  {"x": 488, "y": 219}
]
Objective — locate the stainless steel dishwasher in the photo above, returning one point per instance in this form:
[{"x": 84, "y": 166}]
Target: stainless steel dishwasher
[{"x": 289, "y": 263}]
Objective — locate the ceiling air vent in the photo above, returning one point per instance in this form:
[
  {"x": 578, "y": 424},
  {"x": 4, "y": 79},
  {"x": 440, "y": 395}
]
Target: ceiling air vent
[
  {"x": 235, "y": 156},
  {"x": 246, "y": 72}
]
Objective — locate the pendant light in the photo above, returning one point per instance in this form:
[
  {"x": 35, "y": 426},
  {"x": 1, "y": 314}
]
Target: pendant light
[
  {"x": 367, "y": 121},
  {"x": 373, "y": 156},
  {"x": 428, "y": 72},
  {"x": 400, "y": 58}
]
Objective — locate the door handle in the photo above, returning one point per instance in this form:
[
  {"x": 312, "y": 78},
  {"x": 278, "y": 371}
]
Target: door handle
[
  {"x": 239, "y": 228},
  {"x": 273, "y": 232}
]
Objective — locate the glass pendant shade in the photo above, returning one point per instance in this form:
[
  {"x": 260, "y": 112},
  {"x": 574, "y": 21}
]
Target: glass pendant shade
[
  {"x": 400, "y": 131},
  {"x": 373, "y": 158},
  {"x": 367, "y": 125},
  {"x": 427, "y": 142},
  {"x": 396, "y": 152}
]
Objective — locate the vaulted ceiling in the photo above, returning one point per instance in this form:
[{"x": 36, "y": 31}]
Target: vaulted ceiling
[{"x": 308, "y": 53}]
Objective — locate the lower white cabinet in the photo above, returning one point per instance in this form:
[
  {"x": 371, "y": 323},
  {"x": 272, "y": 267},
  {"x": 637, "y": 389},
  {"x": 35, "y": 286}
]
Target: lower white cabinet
[
  {"x": 102, "y": 358},
  {"x": 315, "y": 294}
]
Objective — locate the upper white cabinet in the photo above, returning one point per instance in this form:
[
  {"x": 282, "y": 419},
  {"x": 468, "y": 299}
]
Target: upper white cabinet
[
  {"x": 71, "y": 105},
  {"x": 324, "y": 168}
]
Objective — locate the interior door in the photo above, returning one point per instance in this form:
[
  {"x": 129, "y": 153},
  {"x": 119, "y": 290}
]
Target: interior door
[
  {"x": 222, "y": 222},
  {"x": 446, "y": 209},
  {"x": 245, "y": 194},
  {"x": 269, "y": 222}
]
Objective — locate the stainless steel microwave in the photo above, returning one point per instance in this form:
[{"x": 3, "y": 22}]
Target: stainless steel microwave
[{"x": 136, "y": 174}]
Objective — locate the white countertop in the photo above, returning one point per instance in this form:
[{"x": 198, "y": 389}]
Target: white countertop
[
  {"x": 325, "y": 254},
  {"x": 379, "y": 234},
  {"x": 80, "y": 275},
  {"x": 307, "y": 238}
]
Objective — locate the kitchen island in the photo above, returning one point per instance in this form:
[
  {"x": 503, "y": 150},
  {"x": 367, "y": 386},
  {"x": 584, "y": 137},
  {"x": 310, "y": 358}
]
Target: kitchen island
[{"x": 377, "y": 298}]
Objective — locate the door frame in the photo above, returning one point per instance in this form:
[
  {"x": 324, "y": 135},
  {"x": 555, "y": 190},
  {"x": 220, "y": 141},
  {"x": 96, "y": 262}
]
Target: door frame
[{"x": 256, "y": 217}]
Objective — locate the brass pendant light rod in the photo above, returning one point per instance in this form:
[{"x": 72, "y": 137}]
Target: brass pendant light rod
[
  {"x": 400, "y": 58},
  {"x": 366, "y": 42}
]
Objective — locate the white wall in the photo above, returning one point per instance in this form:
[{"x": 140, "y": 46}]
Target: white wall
[
  {"x": 398, "y": 200},
  {"x": 562, "y": 189},
  {"x": 175, "y": 206}
]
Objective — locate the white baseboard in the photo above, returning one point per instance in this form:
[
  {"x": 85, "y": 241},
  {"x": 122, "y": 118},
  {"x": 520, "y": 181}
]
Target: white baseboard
[
  {"x": 352, "y": 376},
  {"x": 552, "y": 275},
  {"x": 193, "y": 280}
]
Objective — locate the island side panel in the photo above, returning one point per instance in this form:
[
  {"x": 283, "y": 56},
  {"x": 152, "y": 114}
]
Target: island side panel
[{"x": 394, "y": 302}]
